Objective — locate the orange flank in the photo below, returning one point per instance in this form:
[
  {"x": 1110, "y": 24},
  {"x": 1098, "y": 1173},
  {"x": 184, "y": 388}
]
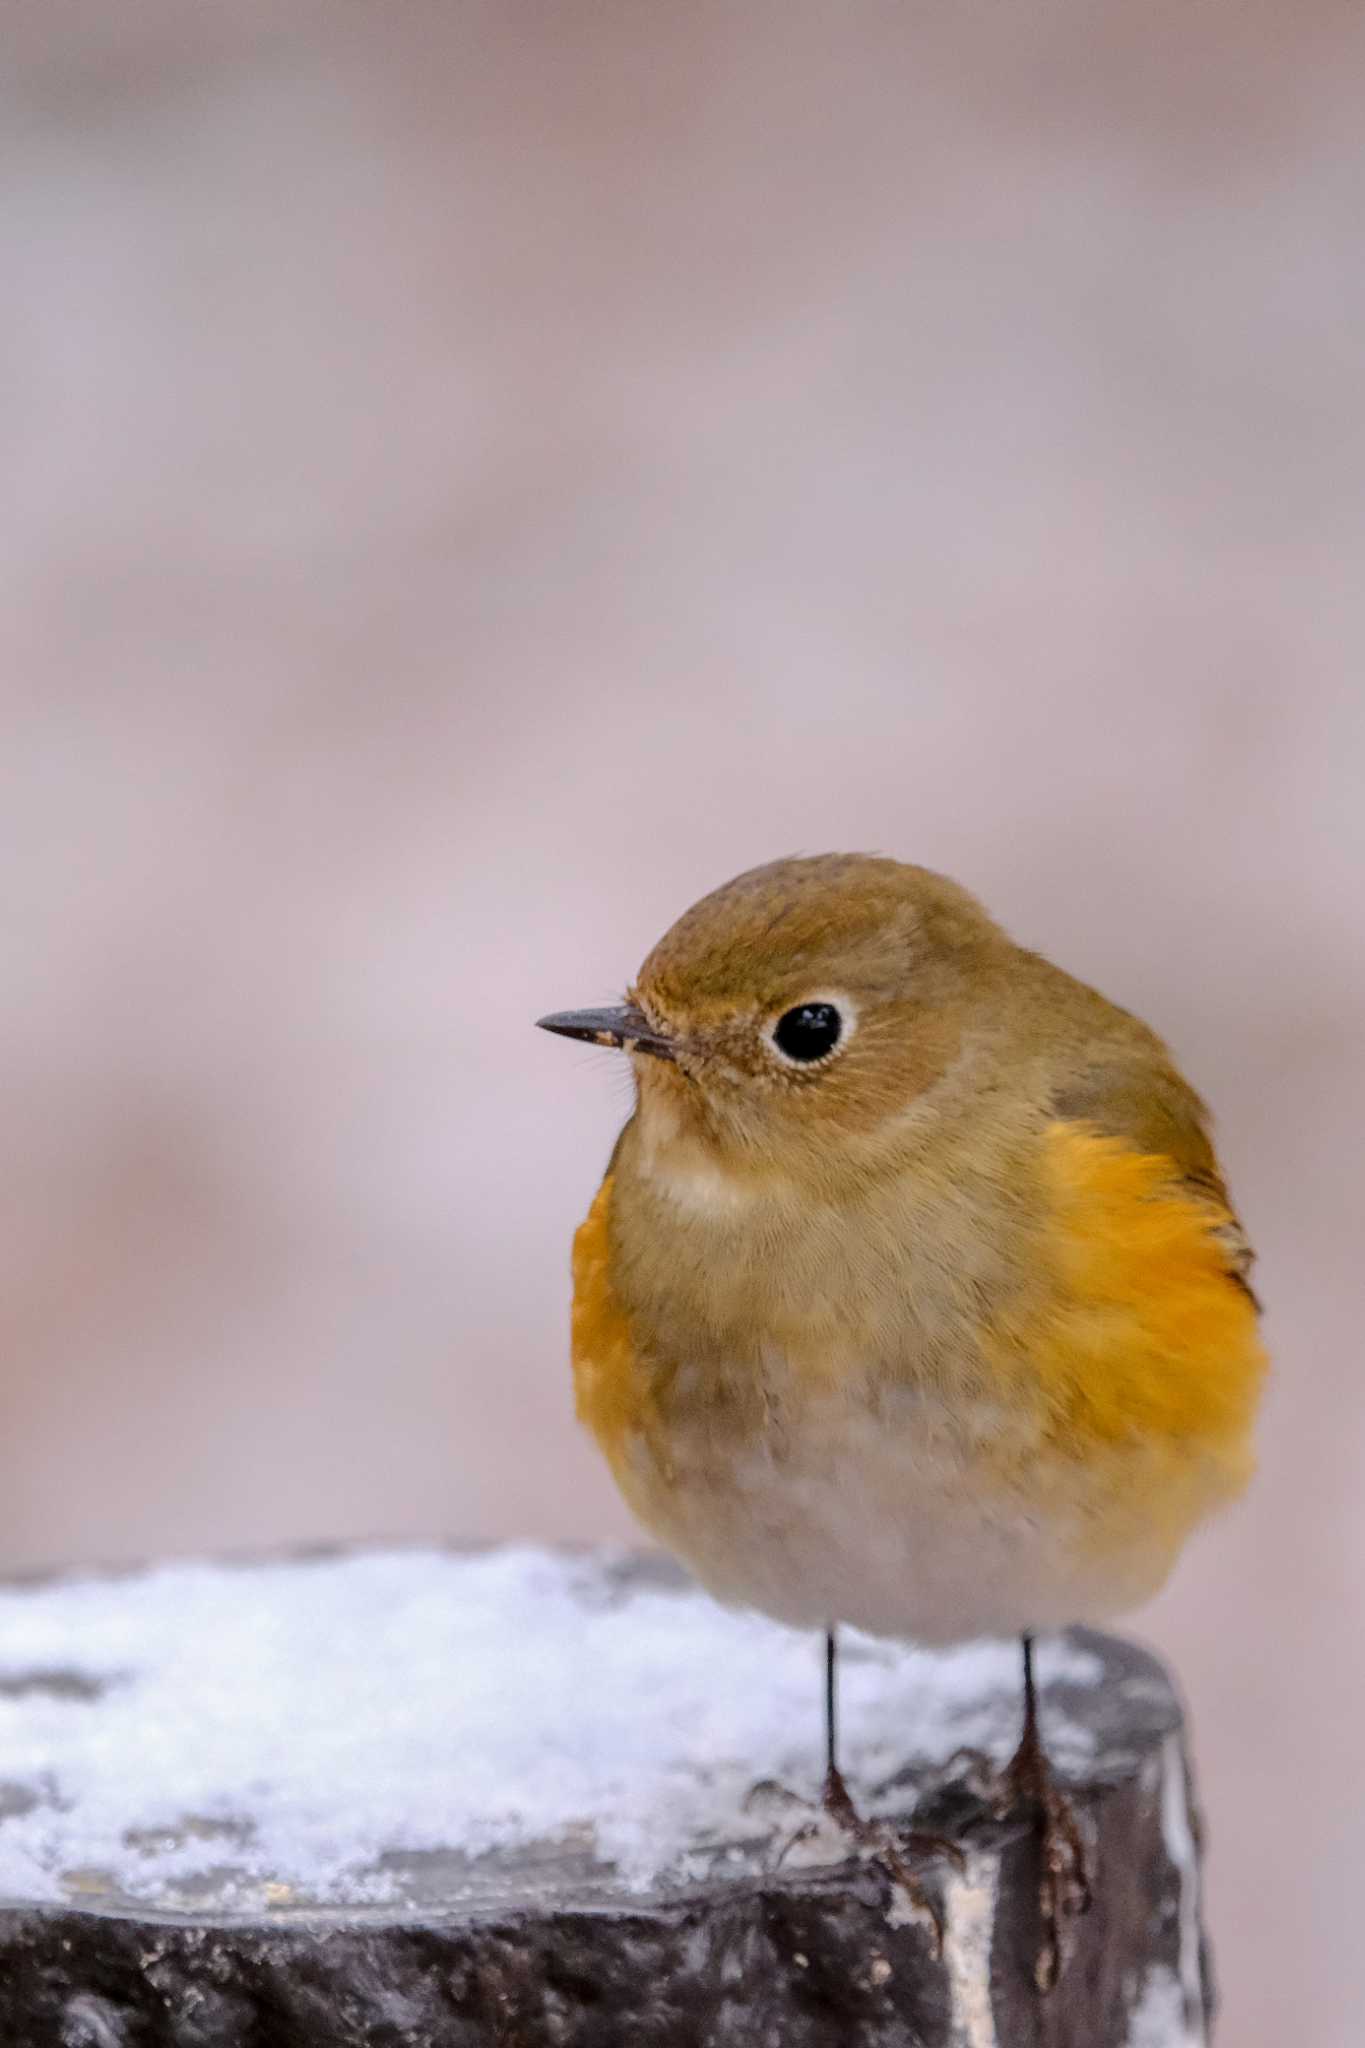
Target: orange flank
[
  {"x": 1145, "y": 1333},
  {"x": 608, "y": 1390}
]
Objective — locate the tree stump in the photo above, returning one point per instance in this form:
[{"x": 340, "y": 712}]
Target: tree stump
[{"x": 514, "y": 1797}]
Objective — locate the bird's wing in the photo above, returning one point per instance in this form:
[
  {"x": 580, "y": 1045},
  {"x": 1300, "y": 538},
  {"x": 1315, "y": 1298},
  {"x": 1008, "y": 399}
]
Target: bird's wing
[{"x": 1145, "y": 1103}]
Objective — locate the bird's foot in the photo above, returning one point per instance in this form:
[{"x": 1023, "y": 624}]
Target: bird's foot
[
  {"x": 884, "y": 1844},
  {"x": 1064, "y": 1885},
  {"x": 838, "y": 1804}
]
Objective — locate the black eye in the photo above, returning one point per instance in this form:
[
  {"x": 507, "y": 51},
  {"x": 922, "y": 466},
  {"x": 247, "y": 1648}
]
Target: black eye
[{"x": 808, "y": 1032}]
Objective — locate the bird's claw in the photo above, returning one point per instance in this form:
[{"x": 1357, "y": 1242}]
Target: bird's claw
[
  {"x": 1064, "y": 1890},
  {"x": 888, "y": 1846}
]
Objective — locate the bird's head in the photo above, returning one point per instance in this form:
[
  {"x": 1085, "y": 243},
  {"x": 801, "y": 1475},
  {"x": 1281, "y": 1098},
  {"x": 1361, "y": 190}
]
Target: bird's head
[{"x": 809, "y": 1003}]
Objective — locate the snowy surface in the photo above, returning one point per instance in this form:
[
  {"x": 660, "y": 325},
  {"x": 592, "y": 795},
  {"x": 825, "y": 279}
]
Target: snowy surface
[
  {"x": 1160, "y": 2017},
  {"x": 240, "y": 1737}
]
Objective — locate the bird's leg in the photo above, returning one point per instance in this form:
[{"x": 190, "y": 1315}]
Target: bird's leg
[
  {"x": 1064, "y": 1888},
  {"x": 889, "y": 1846},
  {"x": 835, "y": 1795}
]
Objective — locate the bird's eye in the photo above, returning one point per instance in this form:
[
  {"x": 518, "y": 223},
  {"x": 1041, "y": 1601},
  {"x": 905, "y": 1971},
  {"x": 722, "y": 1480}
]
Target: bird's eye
[{"x": 809, "y": 1032}]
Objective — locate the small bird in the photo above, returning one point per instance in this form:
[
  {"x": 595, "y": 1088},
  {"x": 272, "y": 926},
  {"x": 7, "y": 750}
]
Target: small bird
[{"x": 913, "y": 1298}]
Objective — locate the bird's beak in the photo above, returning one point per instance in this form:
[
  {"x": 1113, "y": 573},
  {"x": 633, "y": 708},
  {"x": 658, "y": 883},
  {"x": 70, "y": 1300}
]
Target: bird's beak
[{"x": 627, "y": 1028}]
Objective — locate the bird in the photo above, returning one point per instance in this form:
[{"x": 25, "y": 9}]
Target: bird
[{"x": 913, "y": 1299}]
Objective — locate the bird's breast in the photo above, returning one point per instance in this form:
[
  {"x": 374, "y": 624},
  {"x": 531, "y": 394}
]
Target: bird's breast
[{"x": 878, "y": 1411}]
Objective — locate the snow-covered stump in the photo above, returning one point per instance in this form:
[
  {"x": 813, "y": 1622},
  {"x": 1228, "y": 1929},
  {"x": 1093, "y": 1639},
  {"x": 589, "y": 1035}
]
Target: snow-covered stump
[{"x": 517, "y": 1798}]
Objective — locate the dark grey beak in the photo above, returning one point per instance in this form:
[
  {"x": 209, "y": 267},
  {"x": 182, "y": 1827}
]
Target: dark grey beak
[{"x": 627, "y": 1028}]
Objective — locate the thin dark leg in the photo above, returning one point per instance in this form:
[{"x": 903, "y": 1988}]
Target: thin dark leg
[
  {"x": 1030, "y": 1694},
  {"x": 836, "y": 1794},
  {"x": 1064, "y": 1887},
  {"x": 831, "y": 1747}
]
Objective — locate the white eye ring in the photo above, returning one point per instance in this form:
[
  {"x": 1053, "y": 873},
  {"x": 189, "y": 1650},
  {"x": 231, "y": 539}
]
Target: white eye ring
[{"x": 808, "y": 1014}]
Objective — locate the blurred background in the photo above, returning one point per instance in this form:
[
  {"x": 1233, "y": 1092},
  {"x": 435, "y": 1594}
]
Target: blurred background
[{"x": 478, "y": 476}]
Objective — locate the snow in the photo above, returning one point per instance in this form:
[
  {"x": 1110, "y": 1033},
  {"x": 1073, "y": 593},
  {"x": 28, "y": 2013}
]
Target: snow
[
  {"x": 287, "y": 1732},
  {"x": 1159, "y": 2018},
  {"x": 1178, "y": 1836}
]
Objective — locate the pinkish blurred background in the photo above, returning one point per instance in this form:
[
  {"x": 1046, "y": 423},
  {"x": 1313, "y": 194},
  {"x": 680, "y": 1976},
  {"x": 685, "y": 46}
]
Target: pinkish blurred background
[{"x": 478, "y": 476}]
